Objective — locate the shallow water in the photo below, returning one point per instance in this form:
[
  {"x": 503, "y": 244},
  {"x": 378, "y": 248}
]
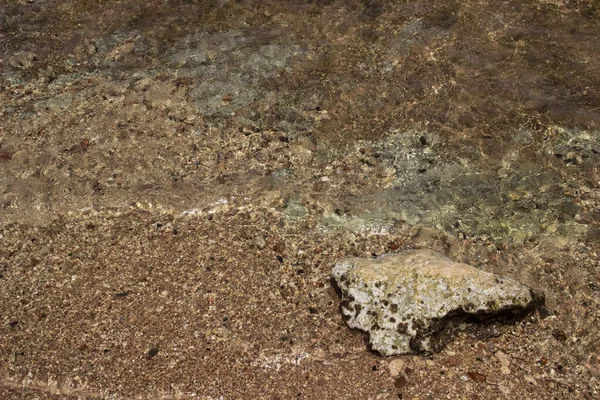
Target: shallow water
[{"x": 178, "y": 177}]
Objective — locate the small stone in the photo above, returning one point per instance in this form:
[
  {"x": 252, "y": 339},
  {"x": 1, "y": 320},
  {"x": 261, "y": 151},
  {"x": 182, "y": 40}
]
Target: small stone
[
  {"x": 531, "y": 380},
  {"x": 413, "y": 301},
  {"x": 294, "y": 209},
  {"x": 503, "y": 358},
  {"x": 505, "y": 370},
  {"x": 476, "y": 376},
  {"x": 260, "y": 242},
  {"x": 560, "y": 335},
  {"x": 493, "y": 378},
  {"x": 5, "y": 155},
  {"x": 504, "y": 389},
  {"x": 418, "y": 362},
  {"x": 395, "y": 367},
  {"x": 152, "y": 352},
  {"x": 23, "y": 60}
]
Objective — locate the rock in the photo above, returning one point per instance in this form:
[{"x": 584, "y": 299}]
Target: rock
[
  {"x": 260, "y": 242},
  {"x": 23, "y": 60},
  {"x": 503, "y": 358},
  {"x": 413, "y": 301},
  {"x": 395, "y": 367},
  {"x": 294, "y": 209}
]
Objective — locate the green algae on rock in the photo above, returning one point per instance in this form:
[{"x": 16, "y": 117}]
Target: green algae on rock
[{"x": 408, "y": 302}]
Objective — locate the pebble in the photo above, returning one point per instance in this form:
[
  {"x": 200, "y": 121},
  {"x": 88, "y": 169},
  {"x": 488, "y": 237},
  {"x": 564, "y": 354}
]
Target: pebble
[
  {"x": 476, "y": 376},
  {"x": 395, "y": 367},
  {"x": 530, "y": 379},
  {"x": 504, "y": 389},
  {"x": 493, "y": 378},
  {"x": 153, "y": 352},
  {"x": 503, "y": 358},
  {"x": 260, "y": 242}
]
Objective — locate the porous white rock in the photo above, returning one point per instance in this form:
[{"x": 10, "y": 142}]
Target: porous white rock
[{"x": 412, "y": 301}]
